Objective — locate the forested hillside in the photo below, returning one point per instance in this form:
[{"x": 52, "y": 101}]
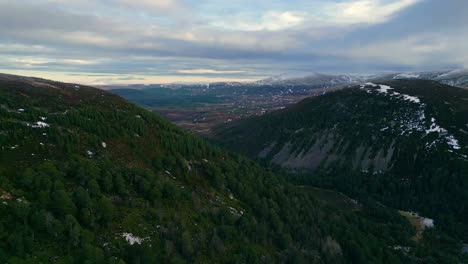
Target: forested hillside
[
  {"x": 86, "y": 177},
  {"x": 403, "y": 143}
]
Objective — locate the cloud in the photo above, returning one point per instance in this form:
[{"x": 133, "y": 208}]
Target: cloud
[
  {"x": 21, "y": 48},
  {"x": 365, "y": 11},
  {"x": 419, "y": 49},
  {"x": 242, "y": 39},
  {"x": 209, "y": 71},
  {"x": 270, "y": 21},
  {"x": 158, "y": 6}
]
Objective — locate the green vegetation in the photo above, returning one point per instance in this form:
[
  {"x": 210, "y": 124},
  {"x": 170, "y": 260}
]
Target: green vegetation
[
  {"x": 372, "y": 145},
  {"x": 86, "y": 177},
  {"x": 164, "y": 97}
]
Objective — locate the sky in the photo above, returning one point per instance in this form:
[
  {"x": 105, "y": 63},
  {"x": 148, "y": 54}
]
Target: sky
[{"x": 165, "y": 41}]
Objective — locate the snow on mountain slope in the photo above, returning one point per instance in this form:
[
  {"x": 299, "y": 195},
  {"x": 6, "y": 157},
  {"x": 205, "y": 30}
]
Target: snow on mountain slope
[
  {"x": 311, "y": 79},
  {"x": 450, "y": 77},
  {"x": 420, "y": 122}
]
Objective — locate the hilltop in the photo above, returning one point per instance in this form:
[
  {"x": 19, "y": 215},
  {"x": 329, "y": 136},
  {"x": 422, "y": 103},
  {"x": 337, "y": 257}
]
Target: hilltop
[{"x": 401, "y": 142}]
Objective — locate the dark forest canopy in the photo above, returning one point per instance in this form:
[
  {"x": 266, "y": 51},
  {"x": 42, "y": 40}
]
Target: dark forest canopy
[{"x": 402, "y": 143}]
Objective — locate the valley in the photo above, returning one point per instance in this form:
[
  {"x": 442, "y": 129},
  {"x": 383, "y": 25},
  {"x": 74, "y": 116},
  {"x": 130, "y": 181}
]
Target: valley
[
  {"x": 233, "y": 132},
  {"x": 87, "y": 176},
  {"x": 398, "y": 131},
  {"x": 200, "y": 108}
]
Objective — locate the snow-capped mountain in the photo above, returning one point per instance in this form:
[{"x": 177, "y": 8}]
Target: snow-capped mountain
[
  {"x": 449, "y": 77},
  {"x": 452, "y": 77},
  {"x": 311, "y": 79}
]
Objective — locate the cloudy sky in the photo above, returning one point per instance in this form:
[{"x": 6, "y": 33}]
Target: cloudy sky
[{"x": 161, "y": 41}]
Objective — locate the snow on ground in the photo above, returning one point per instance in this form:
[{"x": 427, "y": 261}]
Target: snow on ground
[
  {"x": 40, "y": 124},
  {"x": 435, "y": 128},
  {"x": 132, "y": 239},
  {"x": 234, "y": 211},
  {"x": 453, "y": 142},
  {"x": 410, "y": 124},
  {"x": 405, "y": 250},
  {"x": 407, "y": 76},
  {"x": 384, "y": 89},
  {"x": 411, "y": 98},
  {"x": 422, "y": 221},
  {"x": 427, "y": 222},
  {"x": 381, "y": 88}
]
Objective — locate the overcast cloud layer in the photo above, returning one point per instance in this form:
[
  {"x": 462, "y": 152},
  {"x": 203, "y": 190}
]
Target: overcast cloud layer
[{"x": 149, "y": 41}]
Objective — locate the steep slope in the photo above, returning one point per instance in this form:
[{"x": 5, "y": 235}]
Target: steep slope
[
  {"x": 86, "y": 177},
  {"x": 404, "y": 142}
]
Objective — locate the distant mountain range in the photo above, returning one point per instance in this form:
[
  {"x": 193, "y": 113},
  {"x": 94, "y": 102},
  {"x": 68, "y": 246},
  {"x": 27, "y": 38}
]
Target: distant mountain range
[
  {"x": 452, "y": 77},
  {"x": 311, "y": 79}
]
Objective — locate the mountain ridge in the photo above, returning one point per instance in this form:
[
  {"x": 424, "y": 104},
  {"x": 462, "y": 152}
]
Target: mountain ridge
[
  {"x": 89, "y": 177},
  {"x": 410, "y": 135}
]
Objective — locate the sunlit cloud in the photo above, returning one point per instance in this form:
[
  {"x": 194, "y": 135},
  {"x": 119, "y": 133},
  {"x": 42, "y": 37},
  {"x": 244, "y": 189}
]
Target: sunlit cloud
[
  {"x": 269, "y": 21},
  {"x": 170, "y": 40},
  {"x": 365, "y": 11},
  {"x": 208, "y": 71}
]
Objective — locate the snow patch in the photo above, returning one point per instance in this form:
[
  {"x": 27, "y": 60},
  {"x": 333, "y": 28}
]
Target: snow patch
[
  {"x": 453, "y": 142},
  {"x": 411, "y": 98},
  {"x": 132, "y": 239},
  {"x": 435, "y": 128},
  {"x": 424, "y": 221},
  {"x": 410, "y": 124},
  {"x": 427, "y": 222},
  {"x": 384, "y": 89},
  {"x": 40, "y": 124}
]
